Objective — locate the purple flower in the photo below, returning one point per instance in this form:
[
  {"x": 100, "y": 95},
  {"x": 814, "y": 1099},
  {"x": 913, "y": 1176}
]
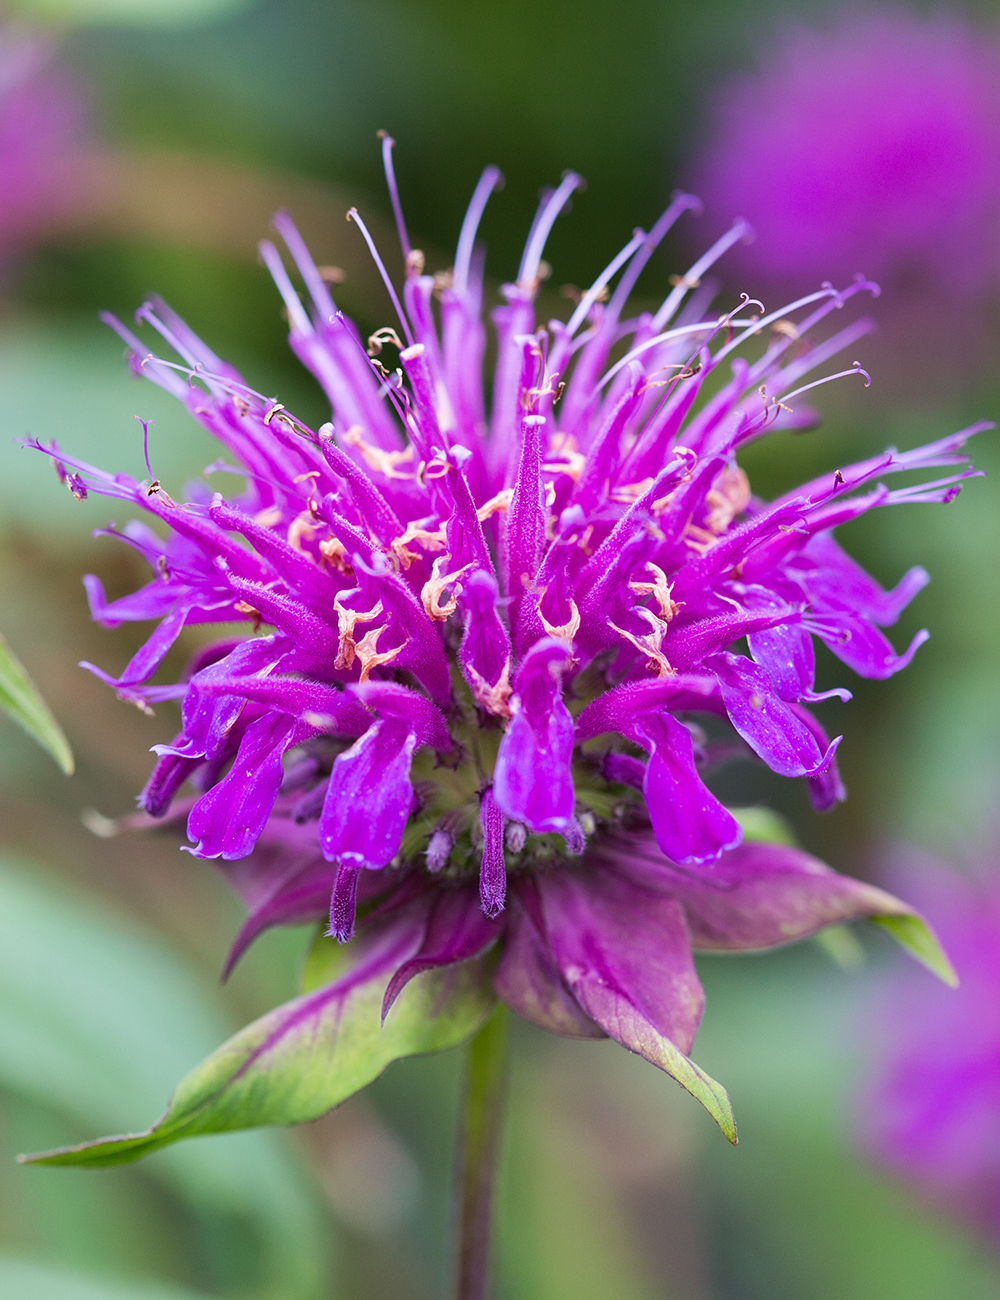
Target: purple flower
[
  {"x": 870, "y": 142},
  {"x": 41, "y": 127},
  {"x": 932, "y": 1111},
  {"x": 477, "y": 643}
]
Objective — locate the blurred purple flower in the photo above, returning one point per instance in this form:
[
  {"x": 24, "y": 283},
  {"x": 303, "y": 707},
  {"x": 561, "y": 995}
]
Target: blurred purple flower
[
  {"x": 869, "y": 143},
  {"x": 932, "y": 1111},
  {"x": 42, "y": 125},
  {"x": 464, "y": 604}
]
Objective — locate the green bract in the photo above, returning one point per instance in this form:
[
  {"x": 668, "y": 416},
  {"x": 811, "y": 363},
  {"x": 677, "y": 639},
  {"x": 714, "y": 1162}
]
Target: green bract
[{"x": 309, "y": 1055}]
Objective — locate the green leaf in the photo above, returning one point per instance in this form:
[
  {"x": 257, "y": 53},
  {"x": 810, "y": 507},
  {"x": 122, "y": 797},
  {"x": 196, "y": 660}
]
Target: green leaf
[
  {"x": 123, "y": 13},
  {"x": 764, "y": 826},
  {"x": 19, "y": 698},
  {"x": 914, "y": 934},
  {"x": 307, "y": 1056},
  {"x": 27, "y": 1279}
]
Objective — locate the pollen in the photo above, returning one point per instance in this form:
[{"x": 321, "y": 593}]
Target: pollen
[
  {"x": 368, "y": 656},
  {"x": 656, "y": 660},
  {"x": 347, "y": 620},
  {"x": 435, "y": 586}
]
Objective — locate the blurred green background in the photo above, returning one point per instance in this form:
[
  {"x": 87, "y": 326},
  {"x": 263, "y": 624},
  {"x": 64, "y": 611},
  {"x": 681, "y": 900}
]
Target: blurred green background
[{"x": 208, "y": 114}]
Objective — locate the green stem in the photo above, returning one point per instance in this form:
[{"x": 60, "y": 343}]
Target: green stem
[{"x": 483, "y": 1110}]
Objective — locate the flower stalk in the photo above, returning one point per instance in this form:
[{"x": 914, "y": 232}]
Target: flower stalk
[{"x": 484, "y": 1106}]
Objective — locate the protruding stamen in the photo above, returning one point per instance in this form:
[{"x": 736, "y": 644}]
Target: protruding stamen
[
  {"x": 856, "y": 369},
  {"x": 563, "y": 631},
  {"x": 679, "y": 331},
  {"x": 491, "y": 179},
  {"x": 390, "y": 178},
  {"x": 145, "y": 443},
  {"x": 493, "y": 698},
  {"x": 757, "y": 327},
  {"x": 354, "y": 216},
  {"x": 369, "y": 657},
  {"x": 660, "y": 588},
  {"x": 595, "y": 290},
  {"x": 680, "y": 203},
  {"x": 347, "y": 619},
  {"x": 740, "y": 229},
  {"x": 310, "y": 272},
  {"x": 527, "y": 274},
  {"x": 293, "y": 304}
]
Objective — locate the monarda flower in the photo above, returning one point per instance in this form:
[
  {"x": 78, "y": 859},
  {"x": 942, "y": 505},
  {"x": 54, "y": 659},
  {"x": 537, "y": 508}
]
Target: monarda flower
[
  {"x": 491, "y": 653},
  {"x": 931, "y": 1111},
  {"x": 42, "y": 126},
  {"x": 869, "y": 140}
]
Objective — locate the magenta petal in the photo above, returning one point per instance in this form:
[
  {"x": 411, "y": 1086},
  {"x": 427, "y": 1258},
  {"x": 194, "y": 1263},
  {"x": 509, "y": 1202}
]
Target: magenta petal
[
  {"x": 333, "y": 710},
  {"x": 625, "y": 954},
  {"x": 764, "y": 720},
  {"x": 167, "y": 777},
  {"x": 826, "y": 789},
  {"x": 485, "y": 650},
  {"x": 206, "y": 720},
  {"x": 389, "y": 700},
  {"x": 617, "y": 710},
  {"x": 227, "y": 821},
  {"x": 785, "y": 652},
  {"x": 527, "y": 978},
  {"x": 533, "y": 781},
  {"x": 690, "y": 824},
  {"x": 456, "y": 931},
  {"x": 369, "y": 797},
  {"x": 859, "y": 644},
  {"x": 155, "y": 600},
  {"x": 524, "y": 535},
  {"x": 838, "y": 582}
]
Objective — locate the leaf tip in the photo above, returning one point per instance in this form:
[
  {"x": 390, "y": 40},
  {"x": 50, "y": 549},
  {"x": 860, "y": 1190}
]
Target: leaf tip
[{"x": 912, "y": 932}]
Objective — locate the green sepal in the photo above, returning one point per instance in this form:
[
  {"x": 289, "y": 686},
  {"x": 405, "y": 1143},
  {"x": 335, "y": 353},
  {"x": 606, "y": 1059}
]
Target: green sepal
[
  {"x": 914, "y": 934},
  {"x": 20, "y": 699},
  {"x": 305, "y": 1057},
  {"x": 712, "y": 1095}
]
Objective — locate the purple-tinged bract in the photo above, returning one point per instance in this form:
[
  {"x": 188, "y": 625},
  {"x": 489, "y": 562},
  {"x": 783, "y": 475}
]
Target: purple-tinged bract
[{"x": 477, "y": 645}]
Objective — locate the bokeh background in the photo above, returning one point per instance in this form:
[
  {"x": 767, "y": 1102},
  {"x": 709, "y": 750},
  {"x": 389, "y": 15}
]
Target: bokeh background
[{"x": 190, "y": 122}]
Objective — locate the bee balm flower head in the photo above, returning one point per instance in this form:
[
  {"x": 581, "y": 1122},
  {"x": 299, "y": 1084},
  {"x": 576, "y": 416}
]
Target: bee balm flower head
[
  {"x": 868, "y": 142},
  {"x": 41, "y": 129},
  {"x": 931, "y": 1113},
  {"x": 466, "y": 715}
]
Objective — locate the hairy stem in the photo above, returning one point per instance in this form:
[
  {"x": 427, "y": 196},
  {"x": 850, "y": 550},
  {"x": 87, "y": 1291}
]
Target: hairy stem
[{"x": 483, "y": 1109}]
